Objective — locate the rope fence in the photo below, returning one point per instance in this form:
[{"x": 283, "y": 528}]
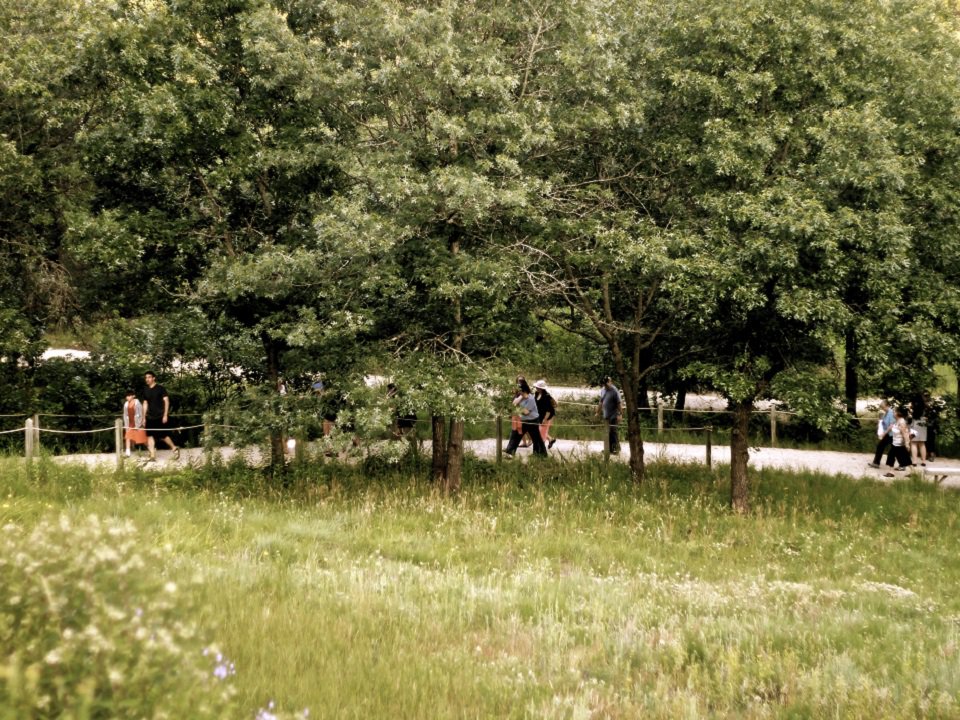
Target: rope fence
[{"x": 32, "y": 429}]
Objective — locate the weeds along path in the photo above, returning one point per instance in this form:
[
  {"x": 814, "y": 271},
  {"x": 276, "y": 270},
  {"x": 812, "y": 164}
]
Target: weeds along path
[{"x": 852, "y": 465}]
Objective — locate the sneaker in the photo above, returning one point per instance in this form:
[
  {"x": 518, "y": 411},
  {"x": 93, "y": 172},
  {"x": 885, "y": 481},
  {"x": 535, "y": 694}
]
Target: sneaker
[
  {"x": 873, "y": 464},
  {"x": 127, "y": 453},
  {"x": 900, "y": 469},
  {"x": 176, "y": 453},
  {"x": 508, "y": 453},
  {"x": 552, "y": 441},
  {"x": 889, "y": 475}
]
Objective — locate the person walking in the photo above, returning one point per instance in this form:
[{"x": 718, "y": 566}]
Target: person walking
[
  {"x": 547, "y": 407},
  {"x": 156, "y": 408},
  {"x": 515, "y": 421},
  {"x": 529, "y": 423},
  {"x": 133, "y": 422},
  {"x": 899, "y": 450},
  {"x": 884, "y": 436},
  {"x": 609, "y": 407},
  {"x": 918, "y": 431}
]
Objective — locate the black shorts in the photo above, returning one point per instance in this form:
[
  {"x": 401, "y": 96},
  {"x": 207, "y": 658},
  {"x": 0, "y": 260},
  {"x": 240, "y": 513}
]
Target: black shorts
[{"x": 156, "y": 428}]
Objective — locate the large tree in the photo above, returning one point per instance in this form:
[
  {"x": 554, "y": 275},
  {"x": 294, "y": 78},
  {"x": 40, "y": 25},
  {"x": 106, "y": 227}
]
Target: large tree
[
  {"x": 46, "y": 100},
  {"x": 607, "y": 243},
  {"x": 798, "y": 175},
  {"x": 221, "y": 171},
  {"x": 445, "y": 132}
]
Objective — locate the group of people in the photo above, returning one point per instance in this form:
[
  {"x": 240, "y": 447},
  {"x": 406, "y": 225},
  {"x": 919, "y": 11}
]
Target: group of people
[
  {"x": 147, "y": 421},
  {"x": 903, "y": 433},
  {"x": 536, "y": 410}
]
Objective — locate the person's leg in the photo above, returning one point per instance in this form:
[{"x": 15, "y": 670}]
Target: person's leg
[
  {"x": 545, "y": 433},
  {"x": 903, "y": 456},
  {"x": 614, "y": 438},
  {"x": 514, "y": 441},
  {"x": 891, "y": 454},
  {"x": 922, "y": 451},
  {"x": 538, "y": 446},
  {"x": 882, "y": 445}
]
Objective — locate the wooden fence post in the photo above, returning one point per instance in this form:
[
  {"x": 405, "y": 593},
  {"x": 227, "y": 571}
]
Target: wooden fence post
[
  {"x": 499, "y": 439},
  {"x": 118, "y": 441},
  {"x": 659, "y": 419},
  {"x": 28, "y": 439},
  {"x": 773, "y": 427},
  {"x": 207, "y": 442},
  {"x": 709, "y": 429},
  {"x": 36, "y": 434},
  {"x": 606, "y": 441}
]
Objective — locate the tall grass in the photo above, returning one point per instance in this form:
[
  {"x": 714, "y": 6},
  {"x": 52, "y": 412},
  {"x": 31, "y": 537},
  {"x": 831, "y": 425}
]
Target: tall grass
[{"x": 547, "y": 590}]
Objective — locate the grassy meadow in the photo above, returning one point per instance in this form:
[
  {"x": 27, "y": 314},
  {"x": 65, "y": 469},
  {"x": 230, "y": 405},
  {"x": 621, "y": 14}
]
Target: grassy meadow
[{"x": 541, "y": 591}]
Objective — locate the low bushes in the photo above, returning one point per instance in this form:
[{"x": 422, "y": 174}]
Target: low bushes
[{"x": 89, "y": 628}]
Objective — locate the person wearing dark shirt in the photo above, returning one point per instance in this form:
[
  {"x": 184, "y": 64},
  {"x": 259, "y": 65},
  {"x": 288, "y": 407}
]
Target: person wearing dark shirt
[
  {"x": 156, "y": 408},
  {"x": 610, "y": 408},
  {"x": 547, "y": 407}
]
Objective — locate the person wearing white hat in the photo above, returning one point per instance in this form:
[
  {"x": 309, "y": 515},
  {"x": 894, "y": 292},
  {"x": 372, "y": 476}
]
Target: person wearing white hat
[{"x": 547, "y": 407}]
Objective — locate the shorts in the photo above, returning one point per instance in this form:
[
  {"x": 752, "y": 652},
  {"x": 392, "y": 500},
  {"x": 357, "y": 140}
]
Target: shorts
[{"x": 156, "y": 428}]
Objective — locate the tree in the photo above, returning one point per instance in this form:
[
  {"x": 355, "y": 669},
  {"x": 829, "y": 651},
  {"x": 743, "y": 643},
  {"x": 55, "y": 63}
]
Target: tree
[
  {"x": 603, "y": 238},
  {"x": 45, "y": 101},
  {"x": 444, "y": 135},
  {"x": 222, "y": 168},
  {"x": 798, "y": 174}
]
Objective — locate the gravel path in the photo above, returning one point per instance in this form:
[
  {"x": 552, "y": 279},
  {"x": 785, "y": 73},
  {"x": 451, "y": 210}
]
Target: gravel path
[{"x": 853, "y": 465}]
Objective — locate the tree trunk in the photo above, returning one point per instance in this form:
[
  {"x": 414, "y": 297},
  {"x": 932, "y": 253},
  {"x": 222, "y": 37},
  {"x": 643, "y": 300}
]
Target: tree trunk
[
  {"x": 439, "y": 449},
  {"x": 635, "y": 439},
  {"x": 454, "y": 458},
  {"x": 634, "y": 435},
  {"x": 740, "y": 457},
  {"x": 851, "y": 361},
  {"x": 681, "y": 403},
  {"x": 278, "y": 448}
]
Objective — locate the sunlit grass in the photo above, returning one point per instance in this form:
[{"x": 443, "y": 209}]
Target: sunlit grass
[{"x": 551, "y": 591}]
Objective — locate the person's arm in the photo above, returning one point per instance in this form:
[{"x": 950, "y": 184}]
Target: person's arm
[{"x": 166, "y": 407}]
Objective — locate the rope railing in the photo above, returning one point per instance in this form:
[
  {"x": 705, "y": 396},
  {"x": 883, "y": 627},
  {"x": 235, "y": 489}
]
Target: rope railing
[
  {"x": 71, "y": 432},
  {"x": 32, "y": 429},
  {"x": 55, "y": 415}
]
